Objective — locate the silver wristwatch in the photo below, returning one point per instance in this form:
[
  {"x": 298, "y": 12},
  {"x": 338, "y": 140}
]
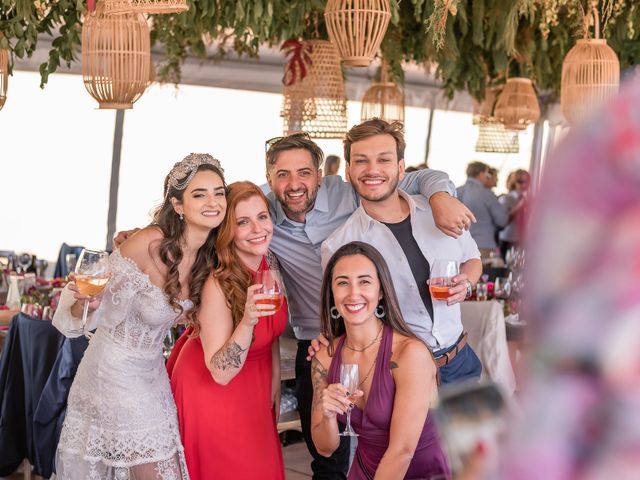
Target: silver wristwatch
[{"x": 469, "y": 289}]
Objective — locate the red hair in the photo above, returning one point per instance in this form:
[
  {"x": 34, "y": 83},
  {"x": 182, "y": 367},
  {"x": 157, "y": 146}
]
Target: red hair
[{"x": 234, "y": 278}]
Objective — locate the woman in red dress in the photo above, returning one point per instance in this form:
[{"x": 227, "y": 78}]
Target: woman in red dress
[{"x": 225, "y": 371}]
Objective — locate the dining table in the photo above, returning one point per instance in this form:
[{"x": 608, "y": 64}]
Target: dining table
[{"x": 484, "y": 322}]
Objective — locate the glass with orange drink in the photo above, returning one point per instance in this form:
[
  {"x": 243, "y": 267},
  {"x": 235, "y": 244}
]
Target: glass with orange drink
[{"x": 442, "y": 273}]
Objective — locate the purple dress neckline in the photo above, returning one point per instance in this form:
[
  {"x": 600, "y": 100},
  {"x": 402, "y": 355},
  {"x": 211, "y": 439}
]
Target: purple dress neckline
[{"x": 373, "y": 423}]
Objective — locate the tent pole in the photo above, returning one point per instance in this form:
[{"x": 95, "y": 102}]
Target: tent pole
[
  {"x": 535, "y": 163},
  {"x": 432, "y": 109},
  {"x": 115, "y": 178}
]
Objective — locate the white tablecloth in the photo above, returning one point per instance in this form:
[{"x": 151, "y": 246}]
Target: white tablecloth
[{"x": 484, "y": 322}]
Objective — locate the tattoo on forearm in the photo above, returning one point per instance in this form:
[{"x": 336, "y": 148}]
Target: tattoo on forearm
[
  {"x": 392, "y": 365},
  {"x": 318, "y": 379},
  {"x": 229, "y": 356}
]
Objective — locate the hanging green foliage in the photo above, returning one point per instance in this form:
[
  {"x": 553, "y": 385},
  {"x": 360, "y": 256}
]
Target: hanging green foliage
[{"x": 472, "y": 42}]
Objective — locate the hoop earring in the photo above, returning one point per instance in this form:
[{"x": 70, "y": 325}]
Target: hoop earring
[
  {"x": 333, "y": 311},
  {"x": 379, "y": 311}
]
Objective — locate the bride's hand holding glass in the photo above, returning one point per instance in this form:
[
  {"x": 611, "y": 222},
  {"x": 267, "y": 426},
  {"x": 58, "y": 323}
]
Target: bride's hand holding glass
[
  {"x": 90, "y": 278},
  {"x": 94, "y": 302}
]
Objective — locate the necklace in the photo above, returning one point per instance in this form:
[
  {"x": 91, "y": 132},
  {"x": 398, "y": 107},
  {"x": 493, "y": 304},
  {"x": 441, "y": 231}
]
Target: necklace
[
  {"x": 346, "y": 343},
  {"x": 368, "y": 373}
]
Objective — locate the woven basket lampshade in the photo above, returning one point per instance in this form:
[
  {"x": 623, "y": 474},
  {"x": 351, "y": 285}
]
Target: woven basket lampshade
[
  {"x": 517, "y": 105},
  {"x": 383, "y": 99},
  {"x": 145, "y": 6},
  {"x": 493, "y": 137},
  {"x": 484, "y": 110},
  {"x": 4, "y": 75},
  {"x": 317, "y": 104},
  {"x": 590, "y": 75},
  {"x": 356, "y": 28},
  {"x": 116, "y": 57}
]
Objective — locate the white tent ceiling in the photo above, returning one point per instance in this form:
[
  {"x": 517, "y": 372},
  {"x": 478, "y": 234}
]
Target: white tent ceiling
[{"x": 265, "y": 75}]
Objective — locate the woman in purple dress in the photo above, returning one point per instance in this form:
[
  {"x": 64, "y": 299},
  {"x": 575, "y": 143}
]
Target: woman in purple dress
[{"x": 397, "y": 375}]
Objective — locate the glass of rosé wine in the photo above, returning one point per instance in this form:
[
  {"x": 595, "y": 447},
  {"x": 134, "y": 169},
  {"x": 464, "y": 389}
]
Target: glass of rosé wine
[
  {"x": 91, "y": 277},
  {"x": 272, "y": 286},
  {"x": 442, "y": 273}
]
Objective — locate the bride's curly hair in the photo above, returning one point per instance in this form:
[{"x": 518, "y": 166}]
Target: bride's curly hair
[{"x": 170, "y": 251}]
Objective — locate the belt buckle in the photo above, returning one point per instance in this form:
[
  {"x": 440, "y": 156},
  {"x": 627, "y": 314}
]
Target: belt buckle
[{"x": 451, "y": 353}]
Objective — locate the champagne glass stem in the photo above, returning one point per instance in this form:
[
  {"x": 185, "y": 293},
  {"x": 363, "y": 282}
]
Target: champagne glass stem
[
  {"x": 348, "y": 430},
  {"x": 85, "y": 312}
]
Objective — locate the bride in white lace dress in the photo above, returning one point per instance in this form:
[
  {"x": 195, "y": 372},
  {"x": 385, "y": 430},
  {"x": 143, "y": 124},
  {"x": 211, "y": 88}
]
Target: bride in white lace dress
[{"x": 121, "y": 420}]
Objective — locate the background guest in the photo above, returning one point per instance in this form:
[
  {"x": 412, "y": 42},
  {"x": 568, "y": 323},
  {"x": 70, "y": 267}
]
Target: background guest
[
  {"x": 515, "y": 202},
  {"x": 331, "y": 165},
  {"x": 484, "y": 205}
]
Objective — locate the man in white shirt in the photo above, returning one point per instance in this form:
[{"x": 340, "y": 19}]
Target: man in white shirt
[{"x": 402, "y": 228}]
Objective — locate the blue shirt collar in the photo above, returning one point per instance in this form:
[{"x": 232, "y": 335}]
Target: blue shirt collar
[{"x": 475, "y": 181}]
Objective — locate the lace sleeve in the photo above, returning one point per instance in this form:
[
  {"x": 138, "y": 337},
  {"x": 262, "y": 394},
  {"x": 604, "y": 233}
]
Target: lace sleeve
[
  {"x": 126, "y": 280},
  {"x": 63, "y": 320}
]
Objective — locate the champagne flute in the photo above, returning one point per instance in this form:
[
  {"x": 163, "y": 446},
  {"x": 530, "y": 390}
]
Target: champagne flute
[
  {"x": 349, "y": 378},
  {"x": 442, "y": 273},
  {"x": 92, "y": 275},
  {"x": 271, "y": 281}
]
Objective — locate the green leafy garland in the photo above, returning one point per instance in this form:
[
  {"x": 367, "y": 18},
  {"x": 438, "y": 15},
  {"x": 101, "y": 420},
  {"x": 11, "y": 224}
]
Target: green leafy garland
[{"x": 472, "y": 42}]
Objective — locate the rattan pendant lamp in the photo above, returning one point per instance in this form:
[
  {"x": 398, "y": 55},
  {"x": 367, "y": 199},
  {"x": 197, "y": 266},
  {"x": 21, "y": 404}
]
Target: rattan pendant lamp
[
  {"x": 356, "y": 28},
  {"x": 493, "y": 137},
  {"x": 146, "y": 6},
  {"x": 115, "y": 57},
  {"x": 317, "y": 104},
  {"x": 590, "y": 74},
  {"x": 383, "y": 99},
  {"x": 4, "y": 75},
  {"x": 517, "y": 106}
]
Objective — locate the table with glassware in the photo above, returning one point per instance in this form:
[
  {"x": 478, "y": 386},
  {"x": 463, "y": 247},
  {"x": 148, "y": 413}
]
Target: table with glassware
[
  {"x": 484, "y": 321},
  {"x": 491, "y": 319}
]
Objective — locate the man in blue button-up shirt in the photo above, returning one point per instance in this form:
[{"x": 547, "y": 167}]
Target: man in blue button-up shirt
[
  {"x": 306, "y": 209},
  {"x": 484, "y": 204}
]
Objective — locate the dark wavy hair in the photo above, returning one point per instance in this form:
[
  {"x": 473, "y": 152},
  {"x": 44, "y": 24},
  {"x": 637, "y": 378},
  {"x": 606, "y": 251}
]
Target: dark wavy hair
[
  {"x": 295, "y": 140},
  {"x": 170, "y": 250},
  {"x": 332, "y": 328}
]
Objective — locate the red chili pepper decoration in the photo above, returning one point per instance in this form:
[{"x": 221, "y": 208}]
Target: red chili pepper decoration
[
  {"x": 91, "y": 5},
  {"x": 299, "y": 53}
]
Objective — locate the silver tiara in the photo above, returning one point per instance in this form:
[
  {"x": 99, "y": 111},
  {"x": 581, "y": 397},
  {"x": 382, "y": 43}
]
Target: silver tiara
[{"x": 188, "y": 167}]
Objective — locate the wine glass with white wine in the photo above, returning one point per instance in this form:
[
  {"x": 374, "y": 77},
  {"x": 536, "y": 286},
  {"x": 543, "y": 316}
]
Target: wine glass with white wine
[
  {"x": 350, "y": 379},
  {"x": 91, "y": 277}
]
